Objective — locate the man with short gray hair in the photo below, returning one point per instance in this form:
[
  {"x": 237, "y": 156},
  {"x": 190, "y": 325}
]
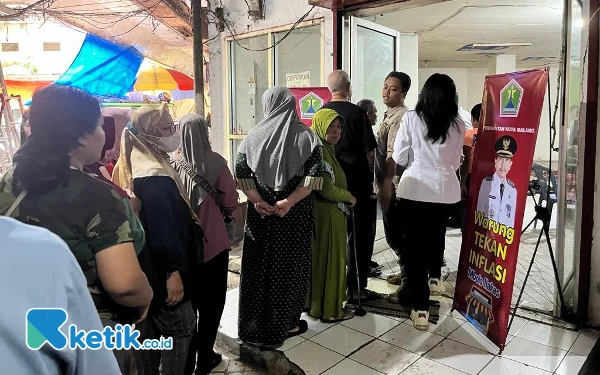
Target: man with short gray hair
[
  {"x": 369, "y": 106},
  {"x": 356, "y": 154}
]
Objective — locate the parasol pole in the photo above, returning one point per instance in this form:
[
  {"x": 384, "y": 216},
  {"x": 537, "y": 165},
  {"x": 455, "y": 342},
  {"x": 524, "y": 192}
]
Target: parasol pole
[
  {"x": 198, "y": 57},
  {"x": 8, "y": 117}
]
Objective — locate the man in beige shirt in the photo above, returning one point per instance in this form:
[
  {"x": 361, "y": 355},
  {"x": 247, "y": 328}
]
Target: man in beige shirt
[{"x": 394, "y": 92}]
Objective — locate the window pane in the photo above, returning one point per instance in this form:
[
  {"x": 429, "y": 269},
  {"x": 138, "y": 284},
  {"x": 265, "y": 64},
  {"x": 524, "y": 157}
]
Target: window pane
[
  {"x": 249, "y": 80},
  {"x": 298, "y": 57},
  {"x": 374, "y": 61},
  {"x": 572, "y": 142}
]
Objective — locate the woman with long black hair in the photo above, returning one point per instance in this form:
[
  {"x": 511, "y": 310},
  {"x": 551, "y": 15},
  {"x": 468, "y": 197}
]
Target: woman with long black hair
[
  {"x": 25, "y": 129},
  {"x": 429, "y": 145},
  {"x": 47, "y": 187}
]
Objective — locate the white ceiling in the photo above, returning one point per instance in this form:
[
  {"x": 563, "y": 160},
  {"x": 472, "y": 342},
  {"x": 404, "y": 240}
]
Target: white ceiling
[{"x": 445, "y": 27}]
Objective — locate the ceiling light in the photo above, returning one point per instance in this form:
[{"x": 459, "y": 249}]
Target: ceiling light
[
  {"x": 580, "y": 22},
  {"x": 501, "y": 44}
]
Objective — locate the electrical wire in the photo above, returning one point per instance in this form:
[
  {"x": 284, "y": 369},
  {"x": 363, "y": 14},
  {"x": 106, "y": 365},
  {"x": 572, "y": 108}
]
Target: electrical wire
[
  {"x": 104, "y": 4},
  {"x": 294, "y": 26},
  {"x": 145, "y": 18},
  {"x": 98, "y": 19},
  {"x": 208, "y": 41},
  {"x": 95, "y": 23},
  {"x": 22, "y": 11}
]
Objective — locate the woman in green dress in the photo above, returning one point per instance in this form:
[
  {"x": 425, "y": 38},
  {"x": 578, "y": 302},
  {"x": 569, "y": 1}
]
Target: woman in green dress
[{"x": 331, "y": 206}]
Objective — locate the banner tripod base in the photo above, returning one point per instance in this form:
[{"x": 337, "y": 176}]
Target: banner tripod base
[{"x": 542, "y": 214}]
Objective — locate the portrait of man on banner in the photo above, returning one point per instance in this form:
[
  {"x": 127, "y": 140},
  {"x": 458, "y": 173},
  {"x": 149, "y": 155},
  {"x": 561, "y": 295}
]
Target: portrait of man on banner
[{"x": 497, "y": 194}]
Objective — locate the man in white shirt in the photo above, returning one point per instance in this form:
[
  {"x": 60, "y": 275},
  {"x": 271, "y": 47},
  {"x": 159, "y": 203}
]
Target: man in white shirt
[
  {"x": 464, "y": 115},
  {"x": 37, "y": 270},
  {"x": 497, "y": 195}
]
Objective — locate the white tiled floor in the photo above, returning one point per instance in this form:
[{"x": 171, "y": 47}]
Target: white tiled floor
[
  {"x": 540, "y": 287},
  {"x": 377, "y": 345}
]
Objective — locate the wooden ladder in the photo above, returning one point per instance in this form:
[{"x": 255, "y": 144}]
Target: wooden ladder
[{"x": 10, "y": 139}]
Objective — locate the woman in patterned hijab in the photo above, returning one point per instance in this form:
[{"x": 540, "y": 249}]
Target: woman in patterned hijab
[{"x": 278, "y": 165}]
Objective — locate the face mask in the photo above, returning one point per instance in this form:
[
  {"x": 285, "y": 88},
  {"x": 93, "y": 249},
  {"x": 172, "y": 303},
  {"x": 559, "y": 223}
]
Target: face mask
[{"x": 171, "y": 143}]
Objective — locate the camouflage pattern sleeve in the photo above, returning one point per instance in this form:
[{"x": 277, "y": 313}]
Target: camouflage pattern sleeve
[
  {"x": 109, "y": 226},
  {"x": 137, "y": 230}
]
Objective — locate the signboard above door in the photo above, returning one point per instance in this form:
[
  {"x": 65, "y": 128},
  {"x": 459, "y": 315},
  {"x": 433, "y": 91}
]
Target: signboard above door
[
  {"x": 363, "y": 4},
  {"x": 342, "y": 4}
]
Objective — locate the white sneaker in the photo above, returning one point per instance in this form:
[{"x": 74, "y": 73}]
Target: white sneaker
[
  {"x": 420, "y": 319},
  {"x": 435, "y": 287}
]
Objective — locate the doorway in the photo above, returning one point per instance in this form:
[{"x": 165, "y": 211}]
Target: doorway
[{"x": 467, "y": 40}]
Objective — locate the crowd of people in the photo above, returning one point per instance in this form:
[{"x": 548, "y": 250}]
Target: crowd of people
[
  {"x": 144, "y": 206},
  {"x": 143, "y": 214}
]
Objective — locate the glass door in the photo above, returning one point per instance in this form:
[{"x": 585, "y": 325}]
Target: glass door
[
  {"x": 569, "y": 176},
  {"x": 370, "y": 54}
]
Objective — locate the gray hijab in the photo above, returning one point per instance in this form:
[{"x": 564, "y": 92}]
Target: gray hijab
[
  {"x": 277, "y": 148},
  {"x": 196, "y": 151}
]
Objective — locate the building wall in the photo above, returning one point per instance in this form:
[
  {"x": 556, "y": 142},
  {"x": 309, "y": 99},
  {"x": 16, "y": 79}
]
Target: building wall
[
  {"x": 31, "y": 61},
  {"x": 278, "y": 13}
]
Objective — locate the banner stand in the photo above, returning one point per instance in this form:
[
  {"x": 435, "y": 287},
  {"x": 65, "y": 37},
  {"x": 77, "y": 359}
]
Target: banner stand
[{"x": 500, "y": 184}]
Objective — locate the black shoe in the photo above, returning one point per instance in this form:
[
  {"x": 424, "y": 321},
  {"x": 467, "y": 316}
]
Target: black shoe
[
  {"x": 207, "y": 368},
  {"x": 374, "y": 264}
]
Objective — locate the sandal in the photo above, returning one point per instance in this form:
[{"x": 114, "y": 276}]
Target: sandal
[
  {"x": 302, "y": 329},
  {"x": 347, "y": 315}
]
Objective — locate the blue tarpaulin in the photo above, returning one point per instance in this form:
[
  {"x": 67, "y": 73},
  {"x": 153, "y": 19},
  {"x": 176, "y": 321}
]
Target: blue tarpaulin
[{"x": 103, "y": 68}]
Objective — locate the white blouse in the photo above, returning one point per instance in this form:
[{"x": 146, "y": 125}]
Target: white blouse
[{"x": 430, "y": 174}]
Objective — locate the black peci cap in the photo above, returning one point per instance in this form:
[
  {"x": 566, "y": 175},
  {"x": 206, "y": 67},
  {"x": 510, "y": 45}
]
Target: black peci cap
[{"x": 506, "y": 147}]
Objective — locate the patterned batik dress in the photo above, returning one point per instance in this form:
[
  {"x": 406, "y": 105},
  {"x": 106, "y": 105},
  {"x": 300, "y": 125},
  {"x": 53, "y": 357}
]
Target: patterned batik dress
[{"x": 276, "y": 258}]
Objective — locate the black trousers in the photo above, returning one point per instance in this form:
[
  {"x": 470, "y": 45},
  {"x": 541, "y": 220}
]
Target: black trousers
[
  {"x": 394, "y": 234},
  {"x": 425, "y": 243},
  {"x": 365, "y": 221},
  {"x": 177, "y": 322},
  {"x": 463, "y": 204},
  {"x": 208, "y": 301},
  {"x": 125, "y": 358}
]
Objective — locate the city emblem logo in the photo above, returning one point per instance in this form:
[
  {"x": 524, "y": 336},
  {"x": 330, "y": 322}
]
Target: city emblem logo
[
  {"x": 510, "y": 99},
  {"x": 309, "y": 105}
]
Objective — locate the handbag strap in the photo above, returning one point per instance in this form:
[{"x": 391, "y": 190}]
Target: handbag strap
[
  {"x": 16, "y": 203},
  {"x": 202, "y": 182}
]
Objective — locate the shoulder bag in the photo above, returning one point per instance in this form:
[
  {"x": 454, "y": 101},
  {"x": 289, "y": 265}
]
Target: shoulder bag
[
  {"x": 230, "y": 223},
  {"x": 15, "y": 204}
]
